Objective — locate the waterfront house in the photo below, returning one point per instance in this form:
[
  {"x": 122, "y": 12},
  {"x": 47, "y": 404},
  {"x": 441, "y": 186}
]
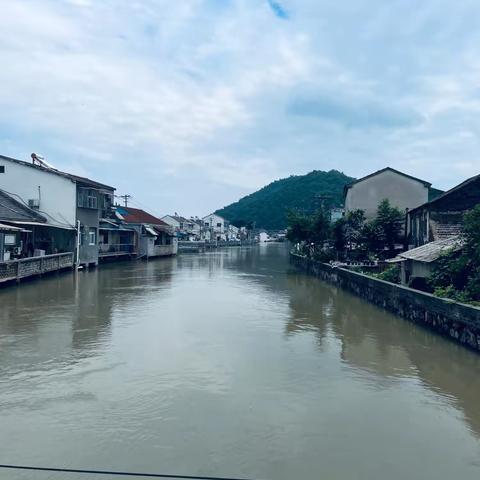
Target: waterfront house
[
  {"x": 402, "y": 190},
  {"x": 155, "y": 237},
  {"x": 28, "y": 244},
  {"x": 186, "y": 229},
  {"x": 37, "y": 236},
  {"x": 417, "y": 264},
  {"x": 442, "y": 217},
  {"x": 263, "y": 236},
  {"x": 65, "y": 200},
  {"x": 215, "y": 227}
]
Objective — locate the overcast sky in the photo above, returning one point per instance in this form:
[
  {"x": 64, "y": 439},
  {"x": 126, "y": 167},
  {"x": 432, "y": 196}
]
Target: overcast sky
[{"x": 188, "y": 105}]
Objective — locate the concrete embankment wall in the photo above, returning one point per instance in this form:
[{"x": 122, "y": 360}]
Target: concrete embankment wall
[{"x": 458, "y": 321}]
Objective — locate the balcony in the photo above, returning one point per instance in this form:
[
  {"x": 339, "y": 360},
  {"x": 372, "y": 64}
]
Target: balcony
[{"x": 117, "y": 250}]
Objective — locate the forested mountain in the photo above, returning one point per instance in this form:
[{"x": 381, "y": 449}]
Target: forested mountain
[{"x": 268, "y": 206}]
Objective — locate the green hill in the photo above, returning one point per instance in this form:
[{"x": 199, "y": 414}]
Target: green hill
[{"x": 268, "y": 206}]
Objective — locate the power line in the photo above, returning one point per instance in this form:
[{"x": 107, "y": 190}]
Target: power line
[
  {"x": 116, "y": 473},
  {"x": 125, "y": 197}
]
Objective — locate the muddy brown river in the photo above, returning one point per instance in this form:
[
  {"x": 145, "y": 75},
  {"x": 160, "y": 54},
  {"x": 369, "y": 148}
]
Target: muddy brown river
[{"x": 227, "y": 363}]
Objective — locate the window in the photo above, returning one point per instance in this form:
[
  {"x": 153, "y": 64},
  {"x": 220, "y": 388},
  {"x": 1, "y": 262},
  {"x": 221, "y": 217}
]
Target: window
[
  {"x": 206, "y": 224},
  {"x": 92, "y": 236},
  {"x": 2, "y": 168},
  {"x": 219, "y": 225},
  {"x": 9, "y": 239},
  {"x": 87, "y": 198}
]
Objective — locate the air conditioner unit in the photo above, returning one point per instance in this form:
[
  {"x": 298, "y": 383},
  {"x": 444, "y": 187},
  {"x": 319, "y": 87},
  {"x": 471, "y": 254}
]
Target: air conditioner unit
[
  {"x": 34, "y": 203},
  {"x": 17, "y": 250}
]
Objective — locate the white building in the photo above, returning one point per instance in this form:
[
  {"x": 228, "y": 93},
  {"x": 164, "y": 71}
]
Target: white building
[
  {"x": 187, "y": 229},
  {"x": 62, "y": 198},
  {"x": 215, "y": 227},
  {"x": 402, "y": 190},
  {"x": 263, "y": 237}
]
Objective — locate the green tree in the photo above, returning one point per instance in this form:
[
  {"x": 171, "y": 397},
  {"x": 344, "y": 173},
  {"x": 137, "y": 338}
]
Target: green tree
[
  {"x": 299, "y": 227},
  {"x": 320, "y": 227},
  {"x": 389, "y": 222},
  {"x": 354, "y": 221},
  {"x": 338, "y": 236}
]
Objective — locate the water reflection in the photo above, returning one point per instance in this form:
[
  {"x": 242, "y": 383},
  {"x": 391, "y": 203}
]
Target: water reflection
[
  {"x": 385, "y": 345},
  {"x": 228, "y": 363}
]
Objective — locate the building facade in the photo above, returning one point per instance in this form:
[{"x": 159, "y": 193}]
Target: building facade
[
  {"x": 402, "y": 190},
  {"x": 155, "y": 237},
  {"x": 65, "y": 200},
  {"x": 215, "y": 227}
]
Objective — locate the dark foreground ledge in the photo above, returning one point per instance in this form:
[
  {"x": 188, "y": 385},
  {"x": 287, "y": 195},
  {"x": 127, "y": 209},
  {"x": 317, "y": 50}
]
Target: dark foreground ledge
[{"x": 458, "y": 321}]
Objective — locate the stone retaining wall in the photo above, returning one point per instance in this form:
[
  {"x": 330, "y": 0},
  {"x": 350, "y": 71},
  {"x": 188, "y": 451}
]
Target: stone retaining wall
[{"x": 458, "y": 321}]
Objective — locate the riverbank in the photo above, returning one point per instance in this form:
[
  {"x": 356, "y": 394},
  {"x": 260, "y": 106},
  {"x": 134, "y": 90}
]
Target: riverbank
[{"x": 457, "y": 321}]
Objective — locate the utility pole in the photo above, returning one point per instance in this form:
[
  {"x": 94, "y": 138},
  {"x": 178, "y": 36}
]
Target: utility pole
[{"x": 125, "y": 199}]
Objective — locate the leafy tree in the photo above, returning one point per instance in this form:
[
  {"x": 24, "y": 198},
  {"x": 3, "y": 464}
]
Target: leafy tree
[
  {"x": 338, "y": 236},
  {"x": 389, "y": 223},
  {"x": 354, "y": 221},
  {"x": 371, "y": 236},
  {"x": 299, "y": 227},
  {"x": 320, "y": 227}
]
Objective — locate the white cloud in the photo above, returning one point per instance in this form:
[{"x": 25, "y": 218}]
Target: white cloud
[{"x": 206, "y": 84}]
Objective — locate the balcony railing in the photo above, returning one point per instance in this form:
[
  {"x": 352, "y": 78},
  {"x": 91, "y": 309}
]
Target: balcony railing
[
  {"x": 29, "y": 267},
  {"x": 110, "y": 249}
]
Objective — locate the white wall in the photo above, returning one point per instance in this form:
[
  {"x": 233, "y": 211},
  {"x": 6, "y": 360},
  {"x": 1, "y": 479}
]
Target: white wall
[
  {"x": 403, "y": 192},
  {"x": 57, "y": 194},
  {"x": 212, "y": 221},
  {"x": 171, "y": 221}
]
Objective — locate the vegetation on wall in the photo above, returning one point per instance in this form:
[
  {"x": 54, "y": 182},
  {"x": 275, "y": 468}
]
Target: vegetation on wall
[
  {"x": 268, "y": 207},
  {"x": 456, "y": 274}
]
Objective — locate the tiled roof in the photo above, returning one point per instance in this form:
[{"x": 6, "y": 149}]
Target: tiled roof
[
  {"x": 432, "y": 251},
  {"x": 136, "y": 215},
  {"x": 446, "y": 230},
  {"x": 14, "y": 211}
]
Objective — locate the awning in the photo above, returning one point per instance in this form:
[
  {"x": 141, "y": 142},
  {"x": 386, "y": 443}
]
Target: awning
[
  {"x": 41, "y": 224},
  {"x": 396, "y": 260},
  {"x": 9, "y": 228},
  {"x": 151, "y": 231}
]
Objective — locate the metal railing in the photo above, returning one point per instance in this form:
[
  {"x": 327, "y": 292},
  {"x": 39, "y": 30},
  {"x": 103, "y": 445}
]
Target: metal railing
[
  {"x": 116, "y": 249},
  {"x": 28, "y": 267}
]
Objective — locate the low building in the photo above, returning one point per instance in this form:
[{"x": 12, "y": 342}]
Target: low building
[
  {"x": 29, "y": 246},
  {"x": 117, "y": 241},
  {"x": 442, "y": 217},
  {"x": 402, "y": 190},
  {"x": 336, "y": 214},
  {"x": 417, "y": 264},
  {"x": 35, "y": 236},
  {"x": 263, "y": 236},
  {"x": 186, "y": 229},
  {"x": 155, "y": 237}
]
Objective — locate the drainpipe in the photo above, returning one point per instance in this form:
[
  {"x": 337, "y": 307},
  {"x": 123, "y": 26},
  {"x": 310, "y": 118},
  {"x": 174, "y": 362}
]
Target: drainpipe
[{"x": 77, "y": 253}]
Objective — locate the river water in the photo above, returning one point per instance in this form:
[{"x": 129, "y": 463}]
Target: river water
[{"x": 228, "y": 364}]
